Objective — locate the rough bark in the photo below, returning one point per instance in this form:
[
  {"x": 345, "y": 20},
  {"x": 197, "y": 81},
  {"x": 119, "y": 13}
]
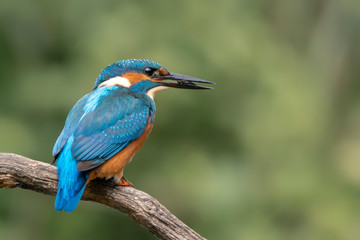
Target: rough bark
[{"x": 19, "y": 171}]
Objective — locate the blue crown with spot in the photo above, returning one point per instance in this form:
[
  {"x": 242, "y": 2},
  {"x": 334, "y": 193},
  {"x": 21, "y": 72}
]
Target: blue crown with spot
[{"x": 121, "y": 67}]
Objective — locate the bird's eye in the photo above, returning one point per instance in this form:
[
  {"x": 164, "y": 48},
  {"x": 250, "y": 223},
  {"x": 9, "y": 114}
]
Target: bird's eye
[{"x": 149, "y": 71}]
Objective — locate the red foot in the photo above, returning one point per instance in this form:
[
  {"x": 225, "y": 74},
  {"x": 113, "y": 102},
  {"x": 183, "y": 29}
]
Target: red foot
[{"x": 125, "y": 183}]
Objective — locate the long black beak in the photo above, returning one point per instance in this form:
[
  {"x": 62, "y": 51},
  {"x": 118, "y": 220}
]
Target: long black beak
[{"x": 183, "y": 81}]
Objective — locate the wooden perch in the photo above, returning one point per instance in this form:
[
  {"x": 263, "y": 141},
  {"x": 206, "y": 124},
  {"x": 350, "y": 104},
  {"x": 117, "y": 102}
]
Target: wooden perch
[{"x": 19, "y": 171}]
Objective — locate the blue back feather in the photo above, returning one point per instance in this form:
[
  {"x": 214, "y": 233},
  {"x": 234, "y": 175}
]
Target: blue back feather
[{"x": 119, "y": 118}]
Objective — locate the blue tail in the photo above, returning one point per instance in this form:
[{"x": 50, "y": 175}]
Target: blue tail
[{"x": 71, "y": 182}]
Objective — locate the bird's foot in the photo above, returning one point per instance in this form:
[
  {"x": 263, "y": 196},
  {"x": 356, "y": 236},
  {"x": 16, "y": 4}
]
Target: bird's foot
[{"x": 125, "y": 183}]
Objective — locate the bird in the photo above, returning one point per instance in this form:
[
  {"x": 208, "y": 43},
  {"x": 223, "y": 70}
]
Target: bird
[{"x": 107, "y": 126}]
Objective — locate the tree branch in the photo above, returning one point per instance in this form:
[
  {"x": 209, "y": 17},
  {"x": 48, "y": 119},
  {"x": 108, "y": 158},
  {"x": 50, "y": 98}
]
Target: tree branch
[{"x": 19, "y": 171}]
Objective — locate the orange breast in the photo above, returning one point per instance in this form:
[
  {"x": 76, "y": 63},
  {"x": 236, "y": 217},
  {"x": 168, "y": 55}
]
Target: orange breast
[{"x": 115, "y": 165}]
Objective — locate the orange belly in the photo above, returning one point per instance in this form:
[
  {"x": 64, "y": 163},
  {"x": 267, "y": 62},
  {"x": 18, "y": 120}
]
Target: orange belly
[{"x": 115, "y": 165}]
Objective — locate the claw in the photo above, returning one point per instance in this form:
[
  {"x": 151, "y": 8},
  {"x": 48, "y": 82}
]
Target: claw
[{"x": 125, "y": 183}]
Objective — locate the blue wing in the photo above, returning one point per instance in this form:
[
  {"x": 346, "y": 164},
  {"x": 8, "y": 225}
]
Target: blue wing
[{"x": 103, "y": 123}]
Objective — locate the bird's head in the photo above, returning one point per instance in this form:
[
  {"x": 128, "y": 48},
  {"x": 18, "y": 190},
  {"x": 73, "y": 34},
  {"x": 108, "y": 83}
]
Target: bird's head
[{"x": 145, "y": 76}]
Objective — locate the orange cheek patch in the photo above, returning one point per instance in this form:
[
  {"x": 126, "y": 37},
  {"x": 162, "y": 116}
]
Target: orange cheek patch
[{"x": 135, "y": 77}]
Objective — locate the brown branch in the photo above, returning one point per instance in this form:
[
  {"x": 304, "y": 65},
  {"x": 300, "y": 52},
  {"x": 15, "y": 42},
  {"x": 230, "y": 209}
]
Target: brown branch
[{"x": 19, "y": 171}]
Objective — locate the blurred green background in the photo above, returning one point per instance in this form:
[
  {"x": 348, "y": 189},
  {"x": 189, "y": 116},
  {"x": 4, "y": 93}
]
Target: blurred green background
[{"x": 272, "y": 153}]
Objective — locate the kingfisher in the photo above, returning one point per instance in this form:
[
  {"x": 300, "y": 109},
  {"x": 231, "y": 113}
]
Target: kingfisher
[{"x": 106, "y": 127}]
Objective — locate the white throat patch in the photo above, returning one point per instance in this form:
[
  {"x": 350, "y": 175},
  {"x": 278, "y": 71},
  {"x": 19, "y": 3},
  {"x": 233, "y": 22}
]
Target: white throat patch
[
  {"x": 151, "y": 92},
  {"x": 116, "y": 81}
]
